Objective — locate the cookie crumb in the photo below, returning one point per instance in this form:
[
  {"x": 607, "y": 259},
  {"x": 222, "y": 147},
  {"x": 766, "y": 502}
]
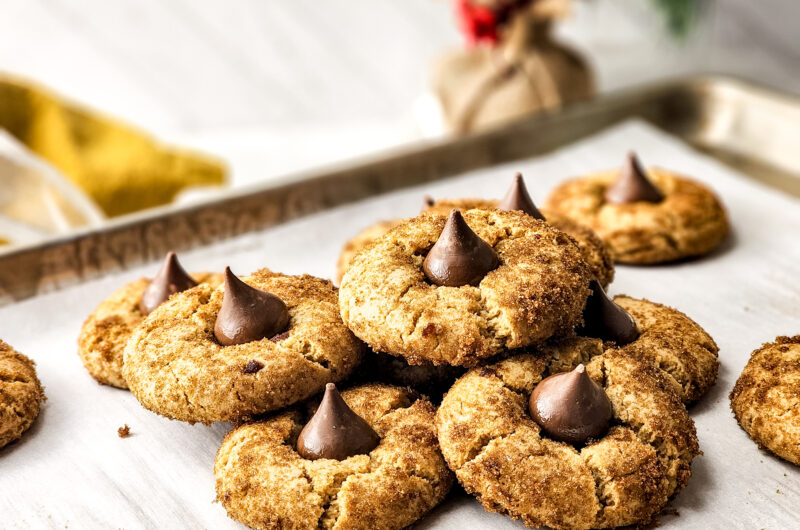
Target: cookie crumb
[
  {"x": 779, "y": 492},
  {"x": 124, "y": 431},
  {"x": 252, "y": 367}
]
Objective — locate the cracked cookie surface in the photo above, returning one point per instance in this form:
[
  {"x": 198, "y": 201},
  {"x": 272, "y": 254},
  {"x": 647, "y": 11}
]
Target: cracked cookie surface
[
  {"x": 766, "y": 398},
  {"x": 264, "y": 483},
  {"x": 501, "y": 456},
  {"x": 669, "y": 339},
  {"x": 539, "y": 289},
  {"x": 104, "y": 334},
  {"x": 689, "y": 222},
  {"x": 21, "y": 394},
  {"x": 175, "y": 366}
]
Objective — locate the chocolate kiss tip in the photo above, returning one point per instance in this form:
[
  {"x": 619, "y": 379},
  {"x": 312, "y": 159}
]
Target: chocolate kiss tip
[
  {"x": 170, "y": 279},
  {"x": 335, "y": 431},
  {"x": 248, "y": 314},
  {"x": 605, "y": 319},
  {"x": 518, "y": 198},
  {"x": 632, "y": 185},
  {"x": 459, "y": 257},
  {"x": 570, "y": 407}
]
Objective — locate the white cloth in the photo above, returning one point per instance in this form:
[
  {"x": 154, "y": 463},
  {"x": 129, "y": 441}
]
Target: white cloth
[
  {"x": 72, "y": 468},
  {"x": 37, "y": 202}
]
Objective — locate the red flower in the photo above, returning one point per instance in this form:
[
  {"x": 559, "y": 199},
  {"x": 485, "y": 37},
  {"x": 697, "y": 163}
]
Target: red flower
[{"x": 479, "y": 23}]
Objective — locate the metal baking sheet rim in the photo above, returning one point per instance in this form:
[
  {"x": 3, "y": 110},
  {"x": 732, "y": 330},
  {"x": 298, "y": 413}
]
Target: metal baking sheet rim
[{"x": 721, "y": 115}]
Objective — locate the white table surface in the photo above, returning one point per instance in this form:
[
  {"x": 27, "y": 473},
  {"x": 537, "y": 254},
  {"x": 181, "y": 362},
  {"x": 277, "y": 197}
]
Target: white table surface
[{"x": 72, "y": 470}]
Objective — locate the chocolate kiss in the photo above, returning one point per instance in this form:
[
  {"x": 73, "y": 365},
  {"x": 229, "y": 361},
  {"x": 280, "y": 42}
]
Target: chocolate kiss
[
  {"x": 459, "y": 256},
  {"x": 632, "y": 185},
  {"x": 570, "y": 407},
  {"x": 171, "y": 279},
  {"x": 517, "y": 198},
  {"x": 604, "y": 319},
  {"x": 248, "y": 314},
  {"x": 335, "y": 431}
]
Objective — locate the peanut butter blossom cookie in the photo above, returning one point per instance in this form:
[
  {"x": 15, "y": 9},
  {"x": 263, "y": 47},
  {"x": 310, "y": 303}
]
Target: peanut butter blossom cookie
[
  {"x": 21, "y": 394},
  {"x": 104, "y": 334},
  {"x": 594, "y": 252},
  {"x": 766, "y": 398},
  {"x": 644, "y": 216},
  {"x": 458, "y": 289},
  {"x": 601, "y": 446},
  {"x": 248, "y": 347},
  {"x": 661, "y": 335},
  {"x": 367, "y": 458}
]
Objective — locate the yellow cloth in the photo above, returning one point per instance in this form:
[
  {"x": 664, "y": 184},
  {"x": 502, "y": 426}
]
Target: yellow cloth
[{"x": 121, "y": 168}]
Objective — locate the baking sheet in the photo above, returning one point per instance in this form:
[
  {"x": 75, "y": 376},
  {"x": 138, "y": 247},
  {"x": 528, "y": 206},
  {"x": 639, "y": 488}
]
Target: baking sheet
[{"x": 73, "y": 470}]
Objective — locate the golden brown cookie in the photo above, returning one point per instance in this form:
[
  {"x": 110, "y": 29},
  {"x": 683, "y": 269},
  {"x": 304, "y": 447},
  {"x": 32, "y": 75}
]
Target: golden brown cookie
[
  {"x": 361, "y": 241},
  {"x": 538, "y": 289},
  {"x": 501, "y": 455},
  {"x": 263, "y": 482},
  {"x": 175, "y": 366},
  {"x": 766, "y": 398},
  {"x": 594, "y": 252},
  {"x": 107, "y": 330},
  {"x": 689, "y": 221},
  {"x": 21, "y": 394},
  {"x": 667, "y": 338}
]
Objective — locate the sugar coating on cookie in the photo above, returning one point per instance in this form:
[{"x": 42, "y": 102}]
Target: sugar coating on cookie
[
  {"x": 263, "y": 482},
  {"x": 21, "y": 394},
  {"x": 766, "y": 398},
  {"x": 689, "y": 221},
  {"x": 501, "y": 456},
  {"x": 106, "y": 331},
  {"x": 538, "y": 289},
  {"x": 668, "y": 339},
  {"x": 175, "y": 366},
  {"x": 594, "y": 252}
]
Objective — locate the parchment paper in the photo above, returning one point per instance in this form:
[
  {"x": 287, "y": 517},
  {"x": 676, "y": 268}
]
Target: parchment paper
[{"x": 72, "y": 470}]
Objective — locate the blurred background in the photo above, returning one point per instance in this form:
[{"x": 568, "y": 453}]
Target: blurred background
[{"x": 258, "y": 89}]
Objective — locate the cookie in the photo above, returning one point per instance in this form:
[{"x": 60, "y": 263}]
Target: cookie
[
  {"x": 644, "y": 216},
  {"x": 523, "y": 282},
  {"x": 106, "y": 331},
  {"x": 361, "y": 241},
  {"x": 176, "y": 366},
  {"x": 21, "y": 394},
  {"x": 766, "y": 398},
  {"x": 667, "y": 338},
  {"x": 625, "y": 476},
  {"x": 264, "y": 482},
  {"x": 593, "y": 251}
]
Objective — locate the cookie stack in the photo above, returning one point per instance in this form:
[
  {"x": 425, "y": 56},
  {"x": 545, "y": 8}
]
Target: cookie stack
[{"x": 557, "y": 404}]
